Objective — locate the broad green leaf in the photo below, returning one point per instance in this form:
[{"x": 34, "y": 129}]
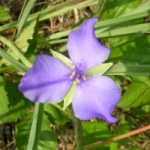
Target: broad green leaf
[
  {"x": 63, "y": 58},
  {"x": 56, "y": 114},
  {"x": 98, "y": 70},
  {"x": 17, "y": 105},
  {"x": 97, "y": 130},
  {"x": 30, "y": 53},
  {"x": 69, "y": 96},
  {"x": 137, "y": 94},
  {"x": 4, "y": 16},
  {"x": 114, "y": 146},
  {"x": 141, "y": 111},
  {"x": 136, "y": 51},
  {"x": 25, "y": 36},
  {"x": 3, "y": 101},
  {"x": 122, "y": 128},
  {"x": 115, "y": 8},
  {"x": 47, "y": 139},
  {"x": 142, "y": 79}
]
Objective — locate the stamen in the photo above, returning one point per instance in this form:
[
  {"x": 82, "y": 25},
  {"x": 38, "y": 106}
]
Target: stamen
[
  {"x": 72, "y": 75},
  {"x": 73, "y": 66},
  {"x": 74, "y": 82},
  {"x": 84, "y": 78},
  {"x": 77, "y": 80}
]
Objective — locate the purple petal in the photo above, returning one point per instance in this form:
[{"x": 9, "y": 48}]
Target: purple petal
[
  {"x": 47, "y": 81},
  {"x": 84, "y": 47},
  {"x": 96, "y": 98}
]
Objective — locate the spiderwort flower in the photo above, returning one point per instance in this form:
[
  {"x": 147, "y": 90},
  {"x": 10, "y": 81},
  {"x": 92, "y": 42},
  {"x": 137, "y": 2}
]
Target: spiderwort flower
[{"x": 49, "y": 79}]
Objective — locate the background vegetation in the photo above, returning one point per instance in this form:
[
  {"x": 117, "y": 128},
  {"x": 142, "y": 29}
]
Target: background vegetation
[{"x": 32, "y": 27}]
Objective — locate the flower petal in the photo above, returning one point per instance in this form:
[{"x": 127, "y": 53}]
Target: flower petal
[
  {"x": 96, "y": 98},
  {"x": 84, "y": 47},
  {"x": 47, "y": 81}
]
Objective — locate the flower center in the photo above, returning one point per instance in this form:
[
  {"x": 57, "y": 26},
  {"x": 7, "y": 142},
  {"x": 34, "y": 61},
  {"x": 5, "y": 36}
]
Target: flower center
[{"x": 77, "y": 75}]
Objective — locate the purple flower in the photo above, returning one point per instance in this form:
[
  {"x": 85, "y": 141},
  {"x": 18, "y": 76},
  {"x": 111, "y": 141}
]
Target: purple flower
[{"x": 49, "y": 79}]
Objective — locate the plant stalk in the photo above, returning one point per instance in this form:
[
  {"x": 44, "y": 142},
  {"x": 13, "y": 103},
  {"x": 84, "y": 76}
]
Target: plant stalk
[{"x": 78, "y": 132}]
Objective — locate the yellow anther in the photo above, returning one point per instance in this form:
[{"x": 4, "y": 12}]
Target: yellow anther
[
  {"x": 73, "y": 66},
  {"x": 77, "y": 80},
  {"x": 72, "y": 75},
  {"x": 84, "y": 78},
  {"x": 74, "y": 82}
]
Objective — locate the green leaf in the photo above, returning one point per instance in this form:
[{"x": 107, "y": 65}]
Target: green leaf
[
  {"x": 136, "y": 51},
  {"x": 56, "y": 114},
  {"x": 52, "y": 12},
  {"x": 25, "y": 14},
  {"x": 97, "y": 130},
  {"x": 122, "y": 128},
  {"x": 69, "y": 96},
  {"x": 17, "y": 105},
  {"x": 124, "y": 7},
  {"x": 142, "y": 79},
  {"x": 131, "y": 70},
  {"x": 21, "y": 44},
  {"x": 25, "y": 36},
  {"x": 3, "y": 100},
  {"x": 140, "y": 111},
  {"x": 30, "y": 53},
  {"x": 98, "y": 70},
  {"x": 62, "y": 58},
  {"x": 14, "y": 51},
  {"x": 47, "y": 139},
  {"x": 137, "y": 94},
  {"x": 113, "y": 146},
  {"x": 4, "y": 16},
  {"x": 36, "y": 127},
  {"x": 12, "y": 61}
]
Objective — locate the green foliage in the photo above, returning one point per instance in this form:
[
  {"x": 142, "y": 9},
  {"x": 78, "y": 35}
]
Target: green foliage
[
  {"x": 25, "y": 14},
  {"x": 56, "y": 114},
  {"x": 136, "y": 95},
  {"x": 3, "y": 100},
  {"x": 99, "y": 70},
  {"x": 116, "y": 8},
  {"x": 97, "y": 130},
  {"x": 69, "y": 96},
  {"x": 13, "y": 102},
  {"x": 124, "y": 27},
  {"x": 47, "y": 139},
  {"x": 4, "y": 16},
  {"x": 64, "y": 59}
]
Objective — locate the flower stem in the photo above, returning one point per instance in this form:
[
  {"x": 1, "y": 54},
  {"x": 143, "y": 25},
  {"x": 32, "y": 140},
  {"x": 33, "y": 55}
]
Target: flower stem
[{"x": 78, "y": 132}]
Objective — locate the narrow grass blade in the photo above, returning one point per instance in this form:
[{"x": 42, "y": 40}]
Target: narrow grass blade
[
  {"x": 36, "y": 127},
  {"x": 52, "y": 12},
  {"x": 130, "y": 70},
  {"x": 12, "y": 61},
  {"x": 25, "y": 14},
  {"x": 16, "y": 51}
]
